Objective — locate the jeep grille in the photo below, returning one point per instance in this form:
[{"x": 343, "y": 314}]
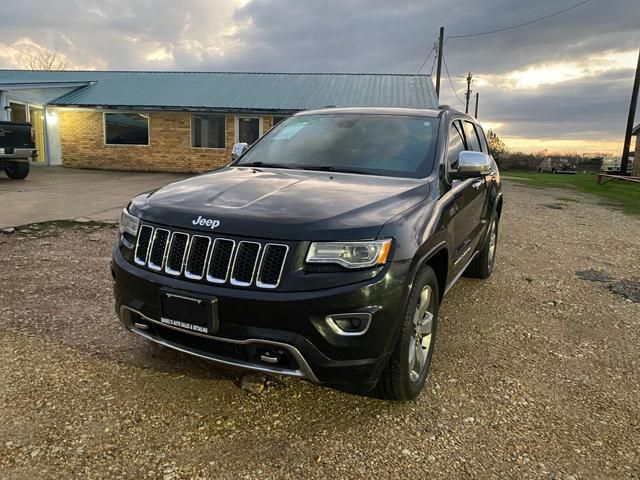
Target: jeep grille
[{"x": 211, "y": 259}]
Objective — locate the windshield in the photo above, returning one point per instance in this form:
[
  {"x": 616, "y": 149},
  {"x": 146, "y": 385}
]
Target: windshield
[{"x": 399, "y": 146}]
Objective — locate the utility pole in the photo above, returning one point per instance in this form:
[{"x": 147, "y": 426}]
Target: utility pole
[
  {"x": 632, "y": 114},
  {"x": 469, "y": 77},
  {"x": 477, "y": 97},
  {"x": 439, "y": 71}
]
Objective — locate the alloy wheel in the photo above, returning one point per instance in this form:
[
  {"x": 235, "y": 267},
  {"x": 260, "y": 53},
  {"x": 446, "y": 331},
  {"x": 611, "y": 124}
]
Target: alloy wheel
[{"x": 421, "y": 336}]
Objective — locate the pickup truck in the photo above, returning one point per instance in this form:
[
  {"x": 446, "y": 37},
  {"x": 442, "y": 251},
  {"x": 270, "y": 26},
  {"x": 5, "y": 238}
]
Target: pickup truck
[
  {"x": 17, "y": 147},
  {"x": 323, "y": 251}
]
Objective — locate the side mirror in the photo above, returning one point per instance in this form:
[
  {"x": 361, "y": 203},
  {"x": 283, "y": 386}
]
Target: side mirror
[
  {"x": 472, "y": 165},
  {"x": 238, "y": 149}
]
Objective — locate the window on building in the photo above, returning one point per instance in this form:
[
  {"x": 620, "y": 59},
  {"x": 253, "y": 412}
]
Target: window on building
[
  {"x": 472, "y": 137},
  {"x": 126, "y": 129},
  {"x": 207, "y": 131},
  {"x": 18, "y": 112}
]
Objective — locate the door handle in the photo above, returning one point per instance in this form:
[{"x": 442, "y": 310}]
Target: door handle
[{"x": 478, "y": 183}]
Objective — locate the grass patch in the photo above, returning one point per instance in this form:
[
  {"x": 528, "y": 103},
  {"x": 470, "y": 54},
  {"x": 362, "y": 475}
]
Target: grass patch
[{"x": 625, "y": 195}]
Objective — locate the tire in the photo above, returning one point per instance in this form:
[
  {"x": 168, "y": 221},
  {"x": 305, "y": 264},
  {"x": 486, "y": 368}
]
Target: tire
[
  {"x": 405, "y": 374},
  {"x": 482, "y": 266},
  {"x": 17, "y": 170}
]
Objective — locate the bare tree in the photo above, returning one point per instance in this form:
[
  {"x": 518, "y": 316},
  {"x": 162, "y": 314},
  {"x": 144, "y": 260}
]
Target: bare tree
[{"x": 41, "y": 58}]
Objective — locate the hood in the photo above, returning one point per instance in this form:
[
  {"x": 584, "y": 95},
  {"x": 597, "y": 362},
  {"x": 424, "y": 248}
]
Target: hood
[{"x": 281, "y": 204}]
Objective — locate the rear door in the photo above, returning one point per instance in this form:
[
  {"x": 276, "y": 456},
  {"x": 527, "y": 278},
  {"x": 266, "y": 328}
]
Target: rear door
[{"x": 477, "y": 192}]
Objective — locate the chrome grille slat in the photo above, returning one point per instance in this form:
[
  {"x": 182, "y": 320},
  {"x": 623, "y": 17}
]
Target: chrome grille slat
[
  {"x": 177, "y": 253},
  {"x": 244, "y": 263},
  {"x": 220, "y": 260},
  {"x": 203, "y": 257},
  {"x": 271, "y": 265},
  {"x": 143, "y": 244},
  {"x": 158, "y": 250},
  {"x": 196, "y": 263}
]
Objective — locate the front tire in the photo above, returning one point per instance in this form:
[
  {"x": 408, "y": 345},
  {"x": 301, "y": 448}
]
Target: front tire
[
  {"x": 405, "y": 374},
  {"x": 17, "y": 170}
]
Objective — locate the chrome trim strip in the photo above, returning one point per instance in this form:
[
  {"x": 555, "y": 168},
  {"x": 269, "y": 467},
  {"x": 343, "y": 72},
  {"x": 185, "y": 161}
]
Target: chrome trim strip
[
  {"x": 170, "y": 270},
  {"x": 303, "y": 372},
  {"x": 229, "y": 263},
  {"x": 284, "y": 259},
  {"x": 336, "y": 329},
  {"x": 135, "y": 254},
  {"x": 153, "y": 266},
  {"x": 206, "y": 256},
  {"x": 459, "y": 274},
  {"x": 255, "y": 264}
]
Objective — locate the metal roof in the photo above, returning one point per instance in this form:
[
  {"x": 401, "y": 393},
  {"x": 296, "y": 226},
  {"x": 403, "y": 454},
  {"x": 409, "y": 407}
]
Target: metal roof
[{"x": 234, "y": 91}]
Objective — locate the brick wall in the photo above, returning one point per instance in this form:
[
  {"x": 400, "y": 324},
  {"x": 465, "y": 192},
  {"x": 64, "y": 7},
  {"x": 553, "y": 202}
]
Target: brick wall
[{"x": 169, "y": 149}]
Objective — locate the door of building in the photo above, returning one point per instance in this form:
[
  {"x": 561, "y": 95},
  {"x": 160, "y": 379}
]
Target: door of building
[
  {"x": 248, "y": 129},
  {"x": 36, "y": 117}
]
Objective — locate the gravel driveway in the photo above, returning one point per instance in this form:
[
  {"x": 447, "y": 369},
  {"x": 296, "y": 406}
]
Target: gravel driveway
[{"x": 535, "y": 375}]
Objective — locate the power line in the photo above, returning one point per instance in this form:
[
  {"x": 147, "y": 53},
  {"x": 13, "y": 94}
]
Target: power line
[
  {"x": 521, "y": 24},
  {"x": 433, "y": 64},
  {"x": 446, "y": 69},
  {"x": 427, "y": 58}
]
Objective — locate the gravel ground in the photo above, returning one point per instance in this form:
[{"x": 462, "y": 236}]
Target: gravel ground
[{"x": 535, "y": 374}]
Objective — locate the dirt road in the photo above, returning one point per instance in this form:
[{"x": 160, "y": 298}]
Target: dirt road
[{"x": 536, "y": 372}]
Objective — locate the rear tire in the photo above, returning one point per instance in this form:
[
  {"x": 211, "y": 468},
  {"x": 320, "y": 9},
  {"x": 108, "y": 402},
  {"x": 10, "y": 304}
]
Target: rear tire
[
  {"x": 405, "y": 374},
  {"x": 482, "y": 266},
  {"x": 17, "y": 170}
]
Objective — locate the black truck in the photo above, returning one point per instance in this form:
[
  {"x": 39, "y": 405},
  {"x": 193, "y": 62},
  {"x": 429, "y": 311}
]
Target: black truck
[
  {"x": 323, "y": 251},
  {"x": 17, "y": 148}
]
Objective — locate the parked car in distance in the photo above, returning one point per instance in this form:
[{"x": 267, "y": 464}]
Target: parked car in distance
[
  {"x": 17, "y": 148},
  {"x": 613, "y": 164},
  {"x": 323, "y": 251},
  {"x": 556, "y": 165}
]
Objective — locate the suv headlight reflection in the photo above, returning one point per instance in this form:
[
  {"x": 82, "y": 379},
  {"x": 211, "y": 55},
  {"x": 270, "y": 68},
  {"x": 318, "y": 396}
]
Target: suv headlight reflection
[{"x": 350, "y": 254}]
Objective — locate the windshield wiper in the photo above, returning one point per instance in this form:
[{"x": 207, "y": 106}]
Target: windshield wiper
[
  {"x": 265, "y": 165},
  {"x": 331, "y": 168}
]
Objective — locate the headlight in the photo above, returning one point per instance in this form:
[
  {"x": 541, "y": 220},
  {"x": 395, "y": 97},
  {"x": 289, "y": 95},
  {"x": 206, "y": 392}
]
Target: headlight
[
  {"x": 128, "y": 223},
  {"x": 350, "y": 254}
]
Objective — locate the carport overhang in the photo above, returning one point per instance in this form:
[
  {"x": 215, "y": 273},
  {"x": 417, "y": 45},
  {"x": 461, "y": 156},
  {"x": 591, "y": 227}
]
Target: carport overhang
[{"x": 41, "y": 95}]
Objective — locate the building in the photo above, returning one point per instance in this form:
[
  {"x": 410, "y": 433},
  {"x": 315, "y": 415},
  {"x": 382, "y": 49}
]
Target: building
[{"x": 179, "y": 121}]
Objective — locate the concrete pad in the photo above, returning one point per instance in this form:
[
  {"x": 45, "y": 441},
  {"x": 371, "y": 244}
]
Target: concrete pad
[{"x": 59, "y": 193}]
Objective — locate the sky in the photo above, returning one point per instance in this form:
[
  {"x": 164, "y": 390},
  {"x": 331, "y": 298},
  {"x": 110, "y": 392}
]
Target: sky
[{"x": 561, "y": 84}]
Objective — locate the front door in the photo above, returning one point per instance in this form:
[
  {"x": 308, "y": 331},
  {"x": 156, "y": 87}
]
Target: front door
[
  {"x": 36, "y": 117},
  {"x": 248, "y": 129}
]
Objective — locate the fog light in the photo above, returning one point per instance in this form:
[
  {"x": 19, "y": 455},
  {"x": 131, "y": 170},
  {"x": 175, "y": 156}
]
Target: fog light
[{"x": 349, "y": 324}]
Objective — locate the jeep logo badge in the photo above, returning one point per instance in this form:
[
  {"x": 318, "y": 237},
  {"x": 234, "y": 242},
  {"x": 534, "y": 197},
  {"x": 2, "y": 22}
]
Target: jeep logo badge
[{"x": 206, "y": 222}]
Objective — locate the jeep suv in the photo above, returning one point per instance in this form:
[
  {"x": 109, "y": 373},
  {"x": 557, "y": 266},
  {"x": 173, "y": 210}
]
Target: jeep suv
[{"x": 323, "y": 251}]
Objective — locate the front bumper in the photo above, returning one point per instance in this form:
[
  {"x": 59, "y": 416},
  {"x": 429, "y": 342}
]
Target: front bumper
[{"x": 291, "y": 326}]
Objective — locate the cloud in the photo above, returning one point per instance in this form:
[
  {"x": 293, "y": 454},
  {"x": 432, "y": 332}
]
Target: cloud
[{"x": 566, "y": 77}]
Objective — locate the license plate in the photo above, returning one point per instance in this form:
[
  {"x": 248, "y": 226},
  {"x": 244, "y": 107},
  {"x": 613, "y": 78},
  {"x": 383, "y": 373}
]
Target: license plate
[{"x": 186, "y": 312}]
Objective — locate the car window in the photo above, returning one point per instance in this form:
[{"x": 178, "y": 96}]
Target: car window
[
  {"x": 472, "y": 137},
  {"x": 455, "y": 145},
  {"x": 373, "y": 144},
  {"x": 483, "y": 139}
]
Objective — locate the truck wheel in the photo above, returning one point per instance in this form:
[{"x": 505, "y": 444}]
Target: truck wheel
[
  {"x": 482, "y": 265},
  {"x": 406, "y": 372},
  {"x": 17, "y": 170}
]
